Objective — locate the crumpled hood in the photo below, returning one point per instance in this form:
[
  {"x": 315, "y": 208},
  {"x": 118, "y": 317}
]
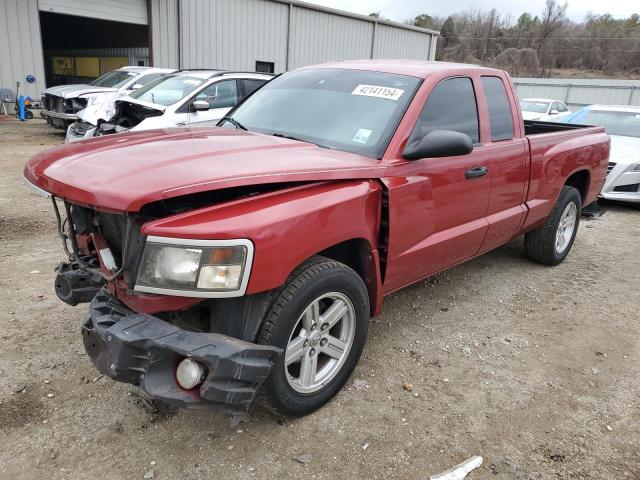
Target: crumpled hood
[
  {"x": 624, "y": 149},
  {"x": 73, "y": 91},
  {"x": 127, "y": 171}
]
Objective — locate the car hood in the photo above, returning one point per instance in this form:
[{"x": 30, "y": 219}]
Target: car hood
[
  {"x": 531, "y": 115},
  {"x": 624, "y": 149},
  {"x": 73, "y": 91},
  {"x": 125, "y": 172}
]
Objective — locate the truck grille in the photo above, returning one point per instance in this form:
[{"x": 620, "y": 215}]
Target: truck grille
[
  {"x": 53, "y": 103},
  {"x": 610, "y": 167}
]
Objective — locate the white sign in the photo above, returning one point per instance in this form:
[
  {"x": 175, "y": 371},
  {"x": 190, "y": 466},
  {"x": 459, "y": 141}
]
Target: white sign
[{"x": 378, "y": 92}]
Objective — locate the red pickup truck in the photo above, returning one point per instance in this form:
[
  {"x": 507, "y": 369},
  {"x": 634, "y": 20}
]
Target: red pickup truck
[{"x": 244, "y": 261}]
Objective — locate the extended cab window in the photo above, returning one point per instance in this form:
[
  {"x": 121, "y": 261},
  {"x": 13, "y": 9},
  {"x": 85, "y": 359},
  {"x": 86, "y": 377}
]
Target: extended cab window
[
  {"x": 451, "y": 106},
  {"x": 500, "y": 116}
]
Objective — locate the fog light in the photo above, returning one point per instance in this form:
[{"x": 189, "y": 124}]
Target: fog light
[{"x": 190, "y": 374}]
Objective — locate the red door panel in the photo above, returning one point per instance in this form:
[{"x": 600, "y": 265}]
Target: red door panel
[
  {"x": 509, "y": 176},
  {"x": 436, "y": 216}
]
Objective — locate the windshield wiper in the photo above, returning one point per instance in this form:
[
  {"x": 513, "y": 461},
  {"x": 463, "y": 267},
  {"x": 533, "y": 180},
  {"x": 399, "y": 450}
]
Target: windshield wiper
[
  {"x": 289, "y": 137},
  {"x": 236, "y": 123}
]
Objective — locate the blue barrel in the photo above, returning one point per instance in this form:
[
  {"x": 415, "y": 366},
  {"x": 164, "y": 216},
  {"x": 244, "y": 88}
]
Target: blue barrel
[{"x": 21, "y": 107}]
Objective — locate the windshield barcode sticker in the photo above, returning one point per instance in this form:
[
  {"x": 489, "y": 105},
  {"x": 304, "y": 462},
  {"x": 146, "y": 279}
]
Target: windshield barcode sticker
[
  {"x": 378, "y": 92},
  {"x": 362, "y": 136}
]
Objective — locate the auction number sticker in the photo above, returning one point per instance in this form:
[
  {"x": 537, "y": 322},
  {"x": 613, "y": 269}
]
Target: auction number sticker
[{"x": 378, "y": 92}]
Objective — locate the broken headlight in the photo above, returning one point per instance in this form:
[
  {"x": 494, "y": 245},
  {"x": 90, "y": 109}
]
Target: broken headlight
[
  {"x": 195, "y": 268},
  {"x": 74, "y": 105}
]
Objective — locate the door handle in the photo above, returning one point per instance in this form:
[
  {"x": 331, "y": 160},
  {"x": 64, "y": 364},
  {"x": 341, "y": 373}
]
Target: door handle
[{"x": 475, "y": 172}]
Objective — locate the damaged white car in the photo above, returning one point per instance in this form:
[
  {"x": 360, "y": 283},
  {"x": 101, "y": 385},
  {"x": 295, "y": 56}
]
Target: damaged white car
[
  {"x": 184, "y": 98},
  {"x": 61, "y": 104}
]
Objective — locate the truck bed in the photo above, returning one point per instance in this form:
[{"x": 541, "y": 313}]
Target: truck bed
[
  {"x": 536, "y": 127},
  {"x": 557, "y": 151}
]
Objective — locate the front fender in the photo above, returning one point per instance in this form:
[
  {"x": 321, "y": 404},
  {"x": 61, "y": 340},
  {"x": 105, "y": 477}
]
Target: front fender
[{"x": 286, "y": 227}]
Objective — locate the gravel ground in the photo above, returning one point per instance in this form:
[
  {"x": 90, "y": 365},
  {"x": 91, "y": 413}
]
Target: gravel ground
[{"x": 533, "y": 368}]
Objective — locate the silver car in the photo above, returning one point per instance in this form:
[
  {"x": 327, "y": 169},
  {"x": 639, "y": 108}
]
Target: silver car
[{"x": 60, "y": 105}]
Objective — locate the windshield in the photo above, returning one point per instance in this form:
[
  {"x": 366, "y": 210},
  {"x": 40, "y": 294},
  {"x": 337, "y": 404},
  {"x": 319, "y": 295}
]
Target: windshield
[
  {"x": 167, "y": 90},
  {"x": 114, "y": 79},
  {"x": 626, "y": 124},
  {"x": 351, "y": 110},
  {"x": 531, "y": 106}
]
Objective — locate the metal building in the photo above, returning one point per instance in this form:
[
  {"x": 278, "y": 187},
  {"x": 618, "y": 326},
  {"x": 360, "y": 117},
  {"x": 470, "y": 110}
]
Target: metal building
[
  {"x": 69, "y": 41},
  {"x": 577, "y": 93}
]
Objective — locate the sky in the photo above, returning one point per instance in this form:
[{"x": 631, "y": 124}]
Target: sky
[{"x": 401, "y": 10}]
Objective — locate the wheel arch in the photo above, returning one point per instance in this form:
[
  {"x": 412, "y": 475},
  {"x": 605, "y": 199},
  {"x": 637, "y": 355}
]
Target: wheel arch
[
  {"x": 580, "y": 181},
  {"x": 358, "y": 254}
]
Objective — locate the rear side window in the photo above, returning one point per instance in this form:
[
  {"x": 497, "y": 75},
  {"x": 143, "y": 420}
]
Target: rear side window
[
  {"x": 451, "y": 106},
  {"x": 251, "y": 85},
  {"x": 500, "y": 116}
]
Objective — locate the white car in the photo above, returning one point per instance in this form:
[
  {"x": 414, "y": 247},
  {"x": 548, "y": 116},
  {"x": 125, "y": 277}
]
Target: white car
[
  {"x": 61, "y": 104},
  {"x": 622, "y": 123},
  {"x": 184, "y": 98},
  {"x": 545, "y": 109}
]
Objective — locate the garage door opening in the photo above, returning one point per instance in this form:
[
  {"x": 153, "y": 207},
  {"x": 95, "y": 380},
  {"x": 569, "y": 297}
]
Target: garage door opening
[{"x": 80, "y": 49}]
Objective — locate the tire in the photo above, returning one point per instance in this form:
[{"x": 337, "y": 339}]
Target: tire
[
  {"x": 541, "y": 245},
  {"x": 329, "y": 285}
]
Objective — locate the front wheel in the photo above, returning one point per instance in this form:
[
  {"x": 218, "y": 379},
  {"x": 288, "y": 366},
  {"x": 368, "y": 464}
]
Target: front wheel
[
  {"x": 319, "y": 319},
  {"x": 551, "y": 243}
]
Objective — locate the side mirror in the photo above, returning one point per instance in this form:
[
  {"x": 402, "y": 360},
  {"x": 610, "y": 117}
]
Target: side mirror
[
  {"x": 200, "y": 105},
  {"x": 438, "y": 143},
  {"x": 554, "y": 112}
]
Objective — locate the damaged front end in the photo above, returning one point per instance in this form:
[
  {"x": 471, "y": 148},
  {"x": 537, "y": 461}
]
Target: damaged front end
[
  {"x": 86, "y": 238},
  {"x": 142, "y": 338},
  {"x": 127, "y": 116}
]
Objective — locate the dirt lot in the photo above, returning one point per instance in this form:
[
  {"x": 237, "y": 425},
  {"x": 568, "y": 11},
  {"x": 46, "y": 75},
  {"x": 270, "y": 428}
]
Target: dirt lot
[{"x": 533, "y": 368}]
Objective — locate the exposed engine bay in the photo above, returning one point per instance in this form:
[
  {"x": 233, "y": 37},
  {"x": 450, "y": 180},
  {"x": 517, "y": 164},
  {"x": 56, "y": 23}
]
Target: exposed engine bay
[{"x": 127, "y": 115}]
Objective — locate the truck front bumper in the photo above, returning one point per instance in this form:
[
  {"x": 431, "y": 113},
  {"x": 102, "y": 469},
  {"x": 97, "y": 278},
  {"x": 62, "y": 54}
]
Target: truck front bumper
[
  {"x": 58, "y": 119},
  {"x": 145, "y": 351}
]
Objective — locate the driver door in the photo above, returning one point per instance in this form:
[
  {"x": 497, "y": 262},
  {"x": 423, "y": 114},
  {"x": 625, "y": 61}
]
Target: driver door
[{"x": 438, "y": 206}]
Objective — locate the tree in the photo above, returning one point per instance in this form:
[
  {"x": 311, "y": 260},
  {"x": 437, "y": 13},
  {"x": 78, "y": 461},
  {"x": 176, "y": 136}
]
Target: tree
[
  {"x": 424, "y": 21},
  {"x": 375, "y": 14},
  {"x": 447, "y": 32},
  {"x": 553, "y": 17}
]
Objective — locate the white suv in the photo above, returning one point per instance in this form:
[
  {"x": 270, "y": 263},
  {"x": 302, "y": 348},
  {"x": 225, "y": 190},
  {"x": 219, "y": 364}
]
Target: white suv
[{"x": 184, "y": 98}]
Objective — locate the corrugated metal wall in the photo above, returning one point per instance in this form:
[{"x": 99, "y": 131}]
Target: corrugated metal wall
[
  {"x": 164, "y": 30},
  {"x": 577, "y": 93},
  {"x": 20, "y": 46},
  {"x": 234, "y": 34},
  {"x": 393, "y": 42},
  {"x": 318, "y": 37},
  {"x": 128, "y": 11},
  {"x": 133, "y": 54}
]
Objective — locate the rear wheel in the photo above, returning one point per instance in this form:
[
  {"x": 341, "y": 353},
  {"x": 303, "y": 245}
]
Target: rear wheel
[
  {"x": 319, "y": 319},
  {"x": 551, "y": 243}
]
